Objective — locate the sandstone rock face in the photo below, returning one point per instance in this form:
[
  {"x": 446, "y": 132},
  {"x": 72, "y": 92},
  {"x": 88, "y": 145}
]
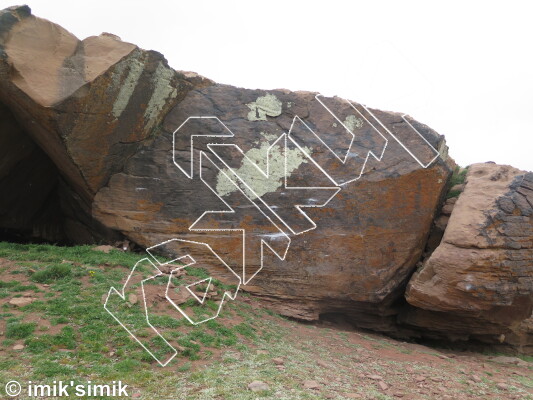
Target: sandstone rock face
[
  {"x": 87, "y": 106},
  {"x": 320, "y": 205},
  {"x": 368, "y": 237},
  {"x": 479, "y": 281},
  {"x": 521, "y": 336}
]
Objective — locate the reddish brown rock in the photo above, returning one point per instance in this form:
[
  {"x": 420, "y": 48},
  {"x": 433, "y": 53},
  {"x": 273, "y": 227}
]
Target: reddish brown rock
[
  {"x": 479, "y": 281},
  {"x": 521, "y": 336},
  {"x": 367, "y": 241},
  {"x": 103, "y": 113},
  {"x": 76, "y": 110}
]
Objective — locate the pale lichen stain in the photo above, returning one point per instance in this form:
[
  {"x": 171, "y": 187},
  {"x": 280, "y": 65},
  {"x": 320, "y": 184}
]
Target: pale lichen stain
[
  {"x": 258, "y": 183},
  {"x": 135, "y": 69},
  {"x": 269, "y": 137},
  {"x": 352, "y": 123},
  {"x": 163, "y": 91},
  {"x": 268, "y": 105}
]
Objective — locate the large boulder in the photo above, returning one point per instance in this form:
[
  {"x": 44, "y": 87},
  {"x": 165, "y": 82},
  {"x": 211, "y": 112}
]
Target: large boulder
[
  {"x": 478, "y": 283},
  {"x": 367, "y": 240},
  {"x": 323, "y": 208},
  {"x": 87, "y": 106}
]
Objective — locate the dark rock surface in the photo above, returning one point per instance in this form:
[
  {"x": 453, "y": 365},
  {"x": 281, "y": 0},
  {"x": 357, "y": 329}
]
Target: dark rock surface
[{"x": 96, "y": 145}]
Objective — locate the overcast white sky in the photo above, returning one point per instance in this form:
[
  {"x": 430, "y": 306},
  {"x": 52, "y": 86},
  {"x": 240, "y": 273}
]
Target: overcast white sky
[{"x": 465, "y": 68}]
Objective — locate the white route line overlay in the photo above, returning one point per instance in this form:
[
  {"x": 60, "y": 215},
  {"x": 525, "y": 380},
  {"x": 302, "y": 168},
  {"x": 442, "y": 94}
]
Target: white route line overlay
[
  {"x": 226, "y": 293},
  {"x": 191, "y": 174},
  {"x": 419, "y": 134},
  {"x": 122, "y": 296},
  {"x": 188, "y": 287},
  {"x": 317, "y": 97},
  {"x": 437, "y": 154},
  {"x": 266, "y": 174},
  {"x": 243, "y": 231},
  {"x": 299, "y": 207}
]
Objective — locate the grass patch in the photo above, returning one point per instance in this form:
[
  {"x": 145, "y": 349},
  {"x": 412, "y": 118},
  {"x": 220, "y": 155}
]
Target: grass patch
[
  {"x": 75, "y": 338},
  {"x": 89, "y": 339},
  {"x": 15, "y": 286},
  {"x": 52, "y": 273},
  {"x": 19, "y": 330},
  {"x": 49, "y": 369},
  {"x": 458, "y": 178},
  {"x": 245, "y": 330},
  {"x": 64, "y": 340}
]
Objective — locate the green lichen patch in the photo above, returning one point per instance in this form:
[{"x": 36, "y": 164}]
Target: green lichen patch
[
  {"x": 134, "y": 69},
  {"x": 352, "y": 122},
  {"x": 268, "y": 105},
  {"x": 258, "y": 183},
  {"x": 163, "y": 92}
]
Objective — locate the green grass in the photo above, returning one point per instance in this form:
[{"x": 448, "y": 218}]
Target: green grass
[
  {"x": 19, "y": 330},
  {"x": 86, "y": 334},
  {"x": 64, "y": 340},
  {"x": 75, "y": 338},
  {"x": 52, "y": 273},
  {"x": 45, "y": 253},
  {"x": 458, "y": 178},
  {"x": 14, "y": 286}
]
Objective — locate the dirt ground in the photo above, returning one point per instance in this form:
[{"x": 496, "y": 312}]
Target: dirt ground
[{"x": 319, "y": 361}]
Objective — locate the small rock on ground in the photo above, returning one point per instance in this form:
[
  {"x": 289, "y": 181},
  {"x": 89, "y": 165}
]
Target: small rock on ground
[
  {"x": 502, "y": 386},
  {"x": 311, "y": 385},
  {"x": 20, "y": 301},
  {"x": 104, "y": 248},
  {"x": 258, "y": 386},
  {"x": 509, "y": 360},
  {"x": 353, "y": 396}
]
